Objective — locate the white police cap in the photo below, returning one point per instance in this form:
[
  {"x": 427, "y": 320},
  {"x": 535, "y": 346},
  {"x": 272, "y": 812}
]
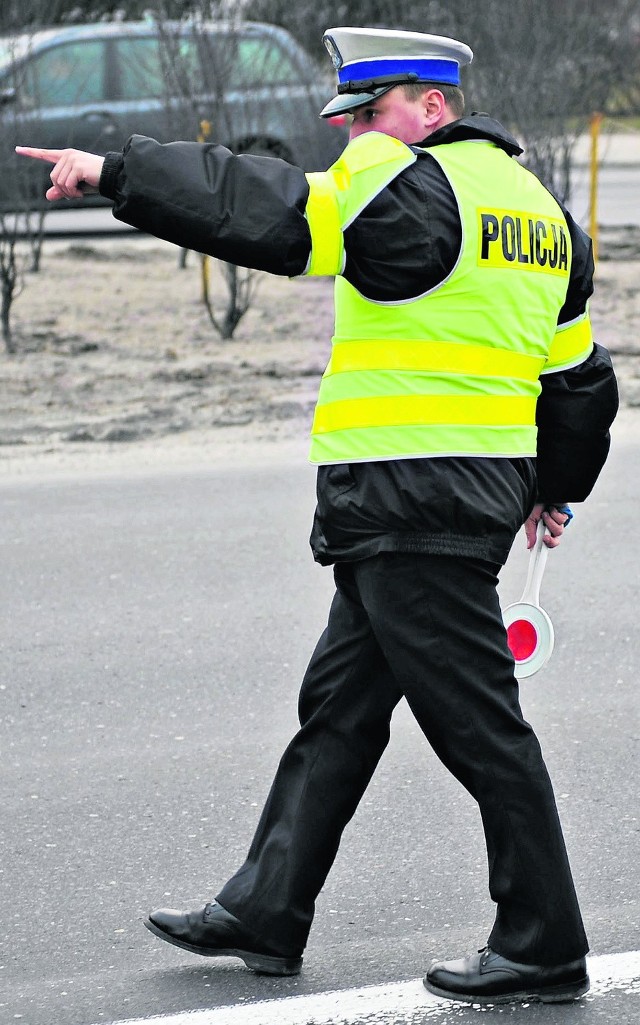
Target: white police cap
[{"x": 371, "y": 61}]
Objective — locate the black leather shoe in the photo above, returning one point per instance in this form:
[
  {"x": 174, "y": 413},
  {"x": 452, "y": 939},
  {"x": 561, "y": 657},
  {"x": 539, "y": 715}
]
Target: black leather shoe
[
  {"x": 213, "y": 932},
  {"x": 489, "y": 978}
]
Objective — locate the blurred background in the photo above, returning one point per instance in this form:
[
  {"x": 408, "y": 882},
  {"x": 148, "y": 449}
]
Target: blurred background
[{"x": 564, "y": 78}]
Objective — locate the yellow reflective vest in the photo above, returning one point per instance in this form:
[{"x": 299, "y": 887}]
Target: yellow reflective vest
[{"x": 454, "y": 371}]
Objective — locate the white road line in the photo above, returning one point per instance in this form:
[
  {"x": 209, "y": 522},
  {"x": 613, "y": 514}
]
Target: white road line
[{"x": 378, "y": 1005}]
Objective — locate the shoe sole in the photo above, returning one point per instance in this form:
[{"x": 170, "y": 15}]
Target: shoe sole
[
  {"x": 265, "y": 964},
  {"x": 551, "y": 995}
]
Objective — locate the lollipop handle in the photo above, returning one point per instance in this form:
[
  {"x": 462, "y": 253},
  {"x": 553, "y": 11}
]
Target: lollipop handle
[{"x": 537, "y": 562}]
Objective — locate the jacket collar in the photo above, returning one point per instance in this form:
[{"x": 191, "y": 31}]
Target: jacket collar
[{"x": 474, "y": 126}]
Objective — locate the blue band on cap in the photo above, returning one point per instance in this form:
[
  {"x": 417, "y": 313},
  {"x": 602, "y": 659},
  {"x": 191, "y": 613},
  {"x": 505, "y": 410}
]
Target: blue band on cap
[{"x": 427, "y": 69}]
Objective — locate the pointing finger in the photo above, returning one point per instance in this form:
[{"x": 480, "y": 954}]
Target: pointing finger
[{"x": 51, "y": 156}]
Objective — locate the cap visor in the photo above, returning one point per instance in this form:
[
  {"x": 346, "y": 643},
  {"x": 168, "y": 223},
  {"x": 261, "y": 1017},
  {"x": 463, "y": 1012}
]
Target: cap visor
[{"x": 345, "y": 102}]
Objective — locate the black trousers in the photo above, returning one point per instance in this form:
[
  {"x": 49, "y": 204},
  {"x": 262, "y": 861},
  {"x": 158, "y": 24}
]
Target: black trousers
[{"x": 428, "y": 628}]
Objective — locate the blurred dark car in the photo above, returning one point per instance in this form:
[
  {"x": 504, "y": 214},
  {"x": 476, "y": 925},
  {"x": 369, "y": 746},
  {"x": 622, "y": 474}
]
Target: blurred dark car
[{"x": 92, "y": 86}]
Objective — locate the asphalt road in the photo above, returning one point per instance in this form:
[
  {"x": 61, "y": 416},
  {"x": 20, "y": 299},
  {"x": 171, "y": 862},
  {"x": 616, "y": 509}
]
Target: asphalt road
[
  {"x": 617, "y": 196},
  {"x": 155, "y": 629}
]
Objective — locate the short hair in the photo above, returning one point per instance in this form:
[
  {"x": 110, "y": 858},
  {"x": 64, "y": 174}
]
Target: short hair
[{"x": 453, "y": 95}]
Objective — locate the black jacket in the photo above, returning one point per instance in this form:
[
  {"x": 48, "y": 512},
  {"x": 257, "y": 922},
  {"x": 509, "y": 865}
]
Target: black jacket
[{"x": 249, "y": 210}]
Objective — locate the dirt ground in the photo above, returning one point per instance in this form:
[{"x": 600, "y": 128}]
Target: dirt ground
[{"x": 117, "y": 357}]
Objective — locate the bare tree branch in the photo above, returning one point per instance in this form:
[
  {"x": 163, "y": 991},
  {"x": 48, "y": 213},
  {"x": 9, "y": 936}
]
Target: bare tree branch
[
  {"x": 22, "y": 214},
  {"x": 182, "y": 79}
]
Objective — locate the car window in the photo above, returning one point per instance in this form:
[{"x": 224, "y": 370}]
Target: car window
[
  {"x": 149, "y": 68},
  {"x": 236, "y": 61},
  {"x": 263, "y": 61},
  {"x": 68, "y": 74}
]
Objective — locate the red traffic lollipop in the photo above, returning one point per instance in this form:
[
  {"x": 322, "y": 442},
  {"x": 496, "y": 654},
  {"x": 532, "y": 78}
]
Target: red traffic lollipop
[{"x": 529, "y": 629}]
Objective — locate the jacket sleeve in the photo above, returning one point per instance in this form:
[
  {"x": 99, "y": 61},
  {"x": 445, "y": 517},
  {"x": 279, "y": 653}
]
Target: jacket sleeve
[
  {"x": 578, "y": 403},
  {"x": 245, "y": 209},
  {"x": 575, "y": 410}
]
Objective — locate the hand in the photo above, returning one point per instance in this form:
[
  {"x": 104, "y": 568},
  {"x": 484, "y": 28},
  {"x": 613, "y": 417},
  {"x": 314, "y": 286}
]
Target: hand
[
  {"x": 75, "y": 172},
  {"x": 554, "y": 521}
]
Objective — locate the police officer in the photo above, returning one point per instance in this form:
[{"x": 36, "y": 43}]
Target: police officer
[{"x": 464, "y": 397}]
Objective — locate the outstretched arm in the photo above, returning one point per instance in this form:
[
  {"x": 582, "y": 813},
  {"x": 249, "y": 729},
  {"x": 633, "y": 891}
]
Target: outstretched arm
[
  {"x": 242, "y": 208},
  {"x": 74, "y": 173}
]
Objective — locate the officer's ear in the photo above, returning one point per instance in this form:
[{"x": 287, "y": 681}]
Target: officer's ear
[{"x": 434, "y": 106}]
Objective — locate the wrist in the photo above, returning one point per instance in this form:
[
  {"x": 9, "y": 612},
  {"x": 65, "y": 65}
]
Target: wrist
[{"x": 111, "y": 167}]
